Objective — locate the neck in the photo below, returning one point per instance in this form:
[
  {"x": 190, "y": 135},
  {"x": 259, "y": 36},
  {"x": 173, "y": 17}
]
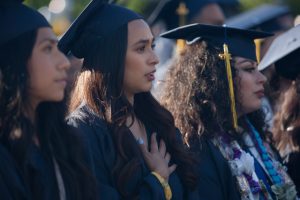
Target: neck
[
  {"x": 30, "y": 110},
  {"x": 130, "y": 98}
]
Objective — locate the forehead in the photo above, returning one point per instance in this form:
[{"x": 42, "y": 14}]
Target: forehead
[
  {"x": 45, "y": 33},
  {"x": 243, "y": 62},
  {"x": 137, "y": 30}
]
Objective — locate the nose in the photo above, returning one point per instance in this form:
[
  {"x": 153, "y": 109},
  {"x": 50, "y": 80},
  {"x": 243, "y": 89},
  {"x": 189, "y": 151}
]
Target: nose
[
  {"x": 64, "y": 62},
  {"x": 154, "y": 60},
  {"x": 261, "y": 78}
]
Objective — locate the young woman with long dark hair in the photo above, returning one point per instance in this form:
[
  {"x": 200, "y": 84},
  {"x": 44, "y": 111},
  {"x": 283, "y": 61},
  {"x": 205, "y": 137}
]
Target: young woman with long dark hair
[
  {"x": 131, "y": 143},
  {"x": 40, "y": 158}
]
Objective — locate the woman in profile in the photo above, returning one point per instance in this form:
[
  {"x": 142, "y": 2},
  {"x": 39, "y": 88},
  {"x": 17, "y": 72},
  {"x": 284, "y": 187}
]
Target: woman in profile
[
  {"x": 214, "y": 92},
  {"x": 38, "y": 153},
  {"x": 130, "y": 140}
]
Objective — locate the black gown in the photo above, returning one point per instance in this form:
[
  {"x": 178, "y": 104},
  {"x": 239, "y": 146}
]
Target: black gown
[
  {"x": 215, "y": 178},
  {"x": 36, "y": 180},
  {"x": 12, "y": 186},
  {"x": 100, "y": 156},
  {"x": 293, "y": 166},
  {"x": 40, "y": 175}
]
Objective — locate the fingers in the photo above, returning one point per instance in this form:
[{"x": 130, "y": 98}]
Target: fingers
[
  {"x": 154, "y": 146},
  {"x": 172, "y": 168},
  {"x": 162, "y": 148},
  {"x": 167, "y": 158}
]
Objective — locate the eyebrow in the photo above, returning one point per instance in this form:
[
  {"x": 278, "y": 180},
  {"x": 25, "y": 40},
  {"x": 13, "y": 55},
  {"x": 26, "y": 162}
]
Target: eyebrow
[
  {"x": 144, "y": 41},
  {"x": 51, "y": 40},
  {"x": 245, "y": 61}
]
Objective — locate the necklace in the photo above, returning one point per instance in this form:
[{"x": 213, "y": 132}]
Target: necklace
[
  {"x": 283, "y": 187},
  {"x": 268, "y": 163}
]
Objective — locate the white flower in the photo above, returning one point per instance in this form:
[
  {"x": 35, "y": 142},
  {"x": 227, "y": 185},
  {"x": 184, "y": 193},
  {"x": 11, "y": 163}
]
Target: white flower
[{"x": 243, "y": 164}]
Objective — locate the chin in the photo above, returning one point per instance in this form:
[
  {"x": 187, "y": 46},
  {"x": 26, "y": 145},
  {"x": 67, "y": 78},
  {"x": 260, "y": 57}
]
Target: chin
[
  {"x": 58, "y": 97},
  {"x": 252, "y": 108},
  {"x": 147, "y": 89}
]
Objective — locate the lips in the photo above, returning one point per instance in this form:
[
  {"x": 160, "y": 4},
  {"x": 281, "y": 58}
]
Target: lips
[
  {"x": 150, "y": 76},
  {"x": 260, "y": 93},
  {"x": 62, "y": 82}
]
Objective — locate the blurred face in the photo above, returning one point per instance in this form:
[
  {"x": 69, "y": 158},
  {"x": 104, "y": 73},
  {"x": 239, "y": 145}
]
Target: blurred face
[
  {"x": 210, "y": 14},
  {"x": 47, "y": 69},
  {"x": 250, "y": 83},
  {"x": 140, "y": 59}
]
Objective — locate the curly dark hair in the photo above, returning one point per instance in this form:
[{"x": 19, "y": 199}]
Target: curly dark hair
[
  {"x": 56, "y": 140},
  {"x": 287, "y": 120},
  {"x": 100, "y": 86},
  {"x": 196, "y": 93}
]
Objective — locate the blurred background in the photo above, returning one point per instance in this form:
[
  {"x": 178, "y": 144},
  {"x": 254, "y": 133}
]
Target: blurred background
[{"x": 61, "y": 13}]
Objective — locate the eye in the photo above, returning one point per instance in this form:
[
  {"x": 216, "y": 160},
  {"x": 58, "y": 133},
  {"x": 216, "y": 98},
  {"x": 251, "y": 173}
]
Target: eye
[
  {"x": 250, "y": 69},
  {"x": 48, "y": 48},
  {"x": 153, "y": 46},
  {"x": 141, "y": 49}
]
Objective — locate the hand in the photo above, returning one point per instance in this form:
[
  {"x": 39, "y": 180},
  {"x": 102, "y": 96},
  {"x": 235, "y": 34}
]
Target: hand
[{"x": 158, "y": 158}]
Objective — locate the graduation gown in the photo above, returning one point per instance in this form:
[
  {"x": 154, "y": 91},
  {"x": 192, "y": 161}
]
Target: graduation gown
[
  {"x": 35, "y": 180},
  {"x": 293, "y": 166},
  {"x": 216, "y": 181},
  {"x": 40, "y": 175},
  {"x": 100, "y": 154},
  {"x": 12, "y": 186}
]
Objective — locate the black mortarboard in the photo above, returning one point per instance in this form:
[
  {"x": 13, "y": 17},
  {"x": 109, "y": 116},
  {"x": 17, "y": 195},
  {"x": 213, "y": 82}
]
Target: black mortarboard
[
  {"x": 263, "y": 18},
  {"x": 96, "y": 21},
  {"x": 285, "y": 53},
  {"x": 240, "y": 42},
  {"x": 16, "y": 19}
]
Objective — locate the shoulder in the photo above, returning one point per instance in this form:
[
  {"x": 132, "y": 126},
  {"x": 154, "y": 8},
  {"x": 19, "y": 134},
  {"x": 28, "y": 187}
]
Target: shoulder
[
  {"x": 93, "y": 132},
  {"x": 214, "y": 172},
  {"x": 84, "y": 116},
  {"x": 212, "y": 165},
  {"x": 88, "y": 126}
]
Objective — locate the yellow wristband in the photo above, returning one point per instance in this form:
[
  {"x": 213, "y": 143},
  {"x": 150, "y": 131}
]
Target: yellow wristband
[{"x": 164, "y": 184}]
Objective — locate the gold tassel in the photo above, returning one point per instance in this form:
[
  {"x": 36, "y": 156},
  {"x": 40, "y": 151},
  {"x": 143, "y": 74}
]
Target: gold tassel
[
  {"x": 182, "y": 11},
  {"x": 180, "y": 44},
  {"x": 258, "y": 49},
  {"x": 226, "y": 57}
]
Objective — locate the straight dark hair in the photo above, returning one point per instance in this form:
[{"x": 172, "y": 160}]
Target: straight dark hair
[{"x": 56, "y": 140}]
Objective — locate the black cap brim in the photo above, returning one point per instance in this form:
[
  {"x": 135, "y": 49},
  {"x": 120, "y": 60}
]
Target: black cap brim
[{"x": 240, "y": 41}]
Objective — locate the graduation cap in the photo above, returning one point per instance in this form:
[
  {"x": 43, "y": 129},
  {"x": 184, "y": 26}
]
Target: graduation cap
[
  {"x": 262, "y": 18},
  {"x": 235, "y": 42},
  {"x": 285, "y": 53},
  {"x": 240, "y": 41},
  {"x": 16, "y": 19},
  {"x": 97, "y": 20}
]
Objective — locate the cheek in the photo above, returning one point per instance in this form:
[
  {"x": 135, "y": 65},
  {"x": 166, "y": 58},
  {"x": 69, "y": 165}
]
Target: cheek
[
  {"x": 133, "y": 68},
  {"x": 131, "y": 76},
  {"x": 40, "y": 72},
  {"x": 42, "y": 83}
]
